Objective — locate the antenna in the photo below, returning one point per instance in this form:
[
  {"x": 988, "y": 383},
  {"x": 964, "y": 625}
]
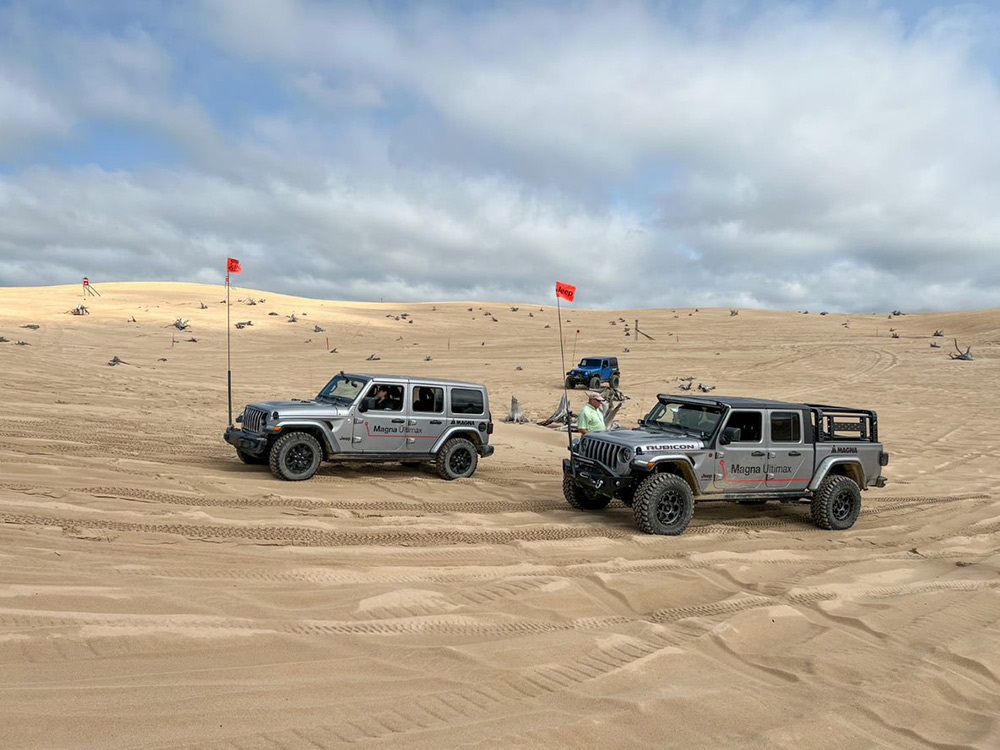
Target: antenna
[
  {"x": 567, "y": 291},
  {"x": 232, "y": 266},
  {"x": 229, "y": 356}
]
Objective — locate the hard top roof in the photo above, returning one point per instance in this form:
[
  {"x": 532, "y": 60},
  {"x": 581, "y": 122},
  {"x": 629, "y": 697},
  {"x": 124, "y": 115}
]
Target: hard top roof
[
  {"x": 743, "y": 402},
  {"x": 389, "y": 378}
]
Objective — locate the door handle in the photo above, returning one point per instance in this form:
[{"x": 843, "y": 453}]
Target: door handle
[
  {"x": 398, "y": 421},
  {"x": 757, "y": 453},
  {"x": 436, "y": 421},
  {"x": 794, "y": 453}
]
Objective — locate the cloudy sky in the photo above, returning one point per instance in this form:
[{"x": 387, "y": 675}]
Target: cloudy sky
[{"x": 809, "y": 155}]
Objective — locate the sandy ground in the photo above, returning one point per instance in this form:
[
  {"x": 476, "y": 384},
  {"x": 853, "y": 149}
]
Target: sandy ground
[{"x": 157, "y": 593}]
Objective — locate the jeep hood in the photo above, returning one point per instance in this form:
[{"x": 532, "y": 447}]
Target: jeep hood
[
  {"x": 650, "y": 440},
  {"x": 301, "y": 408}
]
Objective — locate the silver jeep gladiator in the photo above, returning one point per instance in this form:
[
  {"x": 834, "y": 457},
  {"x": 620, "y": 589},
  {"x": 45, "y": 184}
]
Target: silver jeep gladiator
[
  {"x": 369, "y": 418},
  {"x": 741, "y": 449}
]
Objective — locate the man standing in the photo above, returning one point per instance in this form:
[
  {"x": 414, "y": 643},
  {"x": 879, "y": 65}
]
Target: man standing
[{"x": 591, "y": 419}]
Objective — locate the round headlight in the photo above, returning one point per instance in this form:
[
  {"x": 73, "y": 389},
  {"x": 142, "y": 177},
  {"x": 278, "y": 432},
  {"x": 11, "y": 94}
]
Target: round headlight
[
  {"x": 274, "y": 416},
  {"x": 624, "y": 455}
]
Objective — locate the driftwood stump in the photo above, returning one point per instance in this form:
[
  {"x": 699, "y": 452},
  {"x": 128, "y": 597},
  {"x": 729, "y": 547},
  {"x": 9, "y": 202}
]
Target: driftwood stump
[
  {"x": 560, "y": 415},
  {"x": 965, "y": 356},
  {"x": 516, "y": 415}
]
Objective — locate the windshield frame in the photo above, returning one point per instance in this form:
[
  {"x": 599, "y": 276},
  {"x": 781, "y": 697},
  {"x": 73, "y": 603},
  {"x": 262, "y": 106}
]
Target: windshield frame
[
  {"x": 350, "y": 387},
  {"x": 704, "y": 428}
]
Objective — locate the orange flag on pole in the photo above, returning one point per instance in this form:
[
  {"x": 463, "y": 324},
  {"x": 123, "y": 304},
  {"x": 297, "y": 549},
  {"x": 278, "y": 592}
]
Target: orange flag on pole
[
  {"x": 233, "y": 266},
  {"x": 565, "y": 291}
]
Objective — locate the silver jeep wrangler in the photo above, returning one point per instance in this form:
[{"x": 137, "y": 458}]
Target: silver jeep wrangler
[
  {"x": 369, "y": 418},
  {"x": 748, "y": 450}
]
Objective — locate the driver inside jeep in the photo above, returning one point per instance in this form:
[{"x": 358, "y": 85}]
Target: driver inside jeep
[{"x": 385, "y": 400}]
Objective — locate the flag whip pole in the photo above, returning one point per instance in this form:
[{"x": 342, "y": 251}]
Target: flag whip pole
[
  {"x": 562, "y": 356},
  {"x": 229, "y": 356}
]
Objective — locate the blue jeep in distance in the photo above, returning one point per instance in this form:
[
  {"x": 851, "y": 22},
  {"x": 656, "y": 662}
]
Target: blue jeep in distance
[{"x": 593, "y": 371}]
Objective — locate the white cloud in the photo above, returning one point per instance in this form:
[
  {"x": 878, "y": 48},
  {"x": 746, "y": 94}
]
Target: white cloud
[
  {"x": 360, "y": 95},
  {"x": 767, "y": 155}
]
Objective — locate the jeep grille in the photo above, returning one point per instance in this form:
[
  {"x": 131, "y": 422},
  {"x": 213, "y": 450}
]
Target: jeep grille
[
  {"x": 600, "y": 450},
  {"x": 253, "y": 419}
]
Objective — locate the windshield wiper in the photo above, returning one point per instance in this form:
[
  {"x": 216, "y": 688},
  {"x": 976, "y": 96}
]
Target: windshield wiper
[
  {"x": 677, "y": 427},
  {"x": 333, "y": 398}
]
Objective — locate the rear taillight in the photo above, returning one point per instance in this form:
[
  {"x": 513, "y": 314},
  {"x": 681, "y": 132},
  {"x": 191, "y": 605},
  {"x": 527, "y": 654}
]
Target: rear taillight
[{"x": 489, "y": 425}]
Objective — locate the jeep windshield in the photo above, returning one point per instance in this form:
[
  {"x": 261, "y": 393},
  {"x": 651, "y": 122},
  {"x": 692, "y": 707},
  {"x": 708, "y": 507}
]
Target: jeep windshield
[
  {"x": 691, "y": 419},
  {"x": 343, "y": 389},
  {"x": 590, "y": 363}
]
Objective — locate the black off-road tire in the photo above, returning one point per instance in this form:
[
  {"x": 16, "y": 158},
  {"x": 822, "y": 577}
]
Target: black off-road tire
[
  {"x": 836, "y": 504},
  {"x": 595, "y": 383},
  {"x": 457, "y": 459},
  {"x": 250, "y": 459},
  {"x": 570, "y": 384},
  {"x": 295, "y": 456},
  {"x": 664, "y": 504},
  {"x": 581, "y": 498},
  {"x": 615, "y": 381}
]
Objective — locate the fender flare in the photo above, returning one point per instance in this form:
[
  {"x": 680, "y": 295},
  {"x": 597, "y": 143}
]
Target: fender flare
[
  {"x": 682, "y": 461},
  {"x": 855, "y": 470},
  {"x": 313, "y": 427},
  {"x": 453, "y": 431}
]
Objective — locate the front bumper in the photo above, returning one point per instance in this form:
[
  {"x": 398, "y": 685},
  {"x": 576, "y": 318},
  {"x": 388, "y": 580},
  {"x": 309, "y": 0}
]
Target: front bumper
[
  {"x": 593, "y": 476},
  {"x": 246, "y": 442}
]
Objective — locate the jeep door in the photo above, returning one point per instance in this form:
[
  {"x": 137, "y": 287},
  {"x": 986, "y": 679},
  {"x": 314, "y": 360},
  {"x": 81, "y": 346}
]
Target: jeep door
[
  {"x": 741, "y": 464},
  {"x": 790, "y": 453},
  {"x": 426, "y": 421},
  {"x": 381, "y": 429}
]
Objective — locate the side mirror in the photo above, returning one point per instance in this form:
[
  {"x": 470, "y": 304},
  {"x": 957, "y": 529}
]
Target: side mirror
[
  {"x": 366, "y": 404},
  {"x": 729, "y": 435}
]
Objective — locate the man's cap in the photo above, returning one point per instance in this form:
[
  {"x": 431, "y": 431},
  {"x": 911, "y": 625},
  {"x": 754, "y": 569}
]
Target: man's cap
[{"x": 591, "y": 395}]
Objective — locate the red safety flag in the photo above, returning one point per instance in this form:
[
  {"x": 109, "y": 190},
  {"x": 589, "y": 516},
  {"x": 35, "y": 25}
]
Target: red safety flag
[
  {"x": 233, "y": 266},
  {"x": 565, "y": 291}
]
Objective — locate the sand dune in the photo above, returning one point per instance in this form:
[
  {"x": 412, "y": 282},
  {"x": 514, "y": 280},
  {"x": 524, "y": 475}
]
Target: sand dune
[{"x": 157, "y": 593}]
